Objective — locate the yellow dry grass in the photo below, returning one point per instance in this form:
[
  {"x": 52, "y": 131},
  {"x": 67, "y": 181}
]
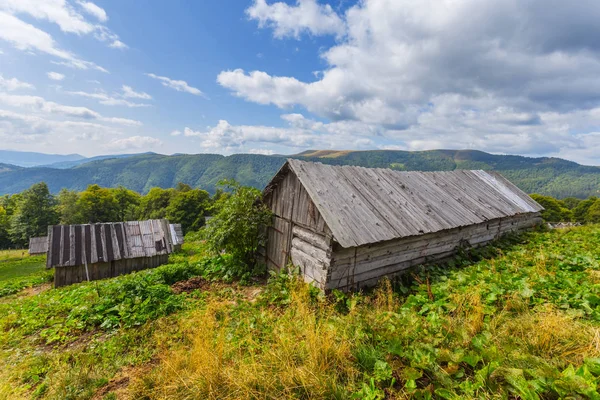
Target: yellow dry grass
[{"x": 304, "y": 356}]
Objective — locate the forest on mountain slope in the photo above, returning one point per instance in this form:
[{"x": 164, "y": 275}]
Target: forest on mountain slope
[{"x": 549, "y": 176}]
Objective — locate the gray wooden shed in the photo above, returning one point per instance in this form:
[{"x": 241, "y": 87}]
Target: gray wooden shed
[
  {"x": 347, "y": 226},
  {"x": 95, "y": 251},
  {"x": 38, "y": 245}
]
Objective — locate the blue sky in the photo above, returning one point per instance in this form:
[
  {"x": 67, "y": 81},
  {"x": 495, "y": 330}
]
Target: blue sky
[{"x": 263, "y": 76}]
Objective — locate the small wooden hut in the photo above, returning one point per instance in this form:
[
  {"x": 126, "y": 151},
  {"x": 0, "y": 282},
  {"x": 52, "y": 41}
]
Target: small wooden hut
[
  {"x": 96, "y": 251},
  {"x": 177, "y": 235},
  {"x": 38, "y": 245},
  {"x": 347, "y": 226}
]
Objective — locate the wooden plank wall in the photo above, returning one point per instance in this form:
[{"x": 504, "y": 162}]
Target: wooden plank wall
[
  {"x": 356, "y": 267},
  {"x": 74, "y": 274}
]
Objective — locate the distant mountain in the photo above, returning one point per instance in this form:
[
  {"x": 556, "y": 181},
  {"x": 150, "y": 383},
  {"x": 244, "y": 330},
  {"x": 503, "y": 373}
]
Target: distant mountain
[
  {"x": 8, "y": 167},
  {"x": 71, "y": 164},
  {"x": 31, "y": 159},
  {"x": 551, "y": 176}
]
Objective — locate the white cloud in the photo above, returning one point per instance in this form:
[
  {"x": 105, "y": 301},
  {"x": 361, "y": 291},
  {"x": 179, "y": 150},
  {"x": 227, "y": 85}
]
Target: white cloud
[
  {"x": 180, "y": 86},
  {"x": 14, "y": 84},
  {"x": 264, "y": 152},
  {"x": 39, "y": 104},
  {"x": 55, "y": 76},
  {"x": 444, "y": 73},
  {"x": 306, "y": 16},
  {"x": 94, "y": 10},
  {"x": 117, "y": 99},
  {"x": 301, "y": 134},
  {"x": 117, "y": 44},
  {"x": 129, "y": 92},
  {"x": 27, "y": 130},
  {"x": 175, "y": 133},
  {"x": 66, "y": 16},
  {"x": 26, "y": 37},
  {"x": 134, "y": 142}
]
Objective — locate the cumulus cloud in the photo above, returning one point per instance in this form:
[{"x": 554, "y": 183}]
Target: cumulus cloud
[
  {"x": 27, "y": 129},
  {"x": 39, "y": 104},
  {"x": 307, "y": 16},
  {"x": 431, "y": 73},
  {"x": 180, "y": 86},
  {"x": 300, "y": 134},
  {"x": 55, "y": 76},
  {"x": 117, "y": 44},
  {"x": 134, "y": 142},
  {"x": 14, "y": 84}
]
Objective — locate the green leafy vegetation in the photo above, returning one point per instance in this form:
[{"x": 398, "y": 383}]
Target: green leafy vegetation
[
  {"x": 238, "y": 226},
  {"x": 517, "y": 319},
  {"x": 547, "y": 176}
]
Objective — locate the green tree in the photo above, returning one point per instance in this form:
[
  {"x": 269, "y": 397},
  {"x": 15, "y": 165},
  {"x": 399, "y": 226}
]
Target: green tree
[
  {"x": 127, "y": 203},
  {"x": 154, "y": 204},
  {"x": 555, "y": 210},
  {"x": 35, "y": 211},
  {"x": 69, "y": 210},
  {"x": 97, "y": 205},
  {"x": 238, "y": 225},
  {"x": 571, "y": 202},
  {"x": 188, "y": 208},
  {"x": 580, "y": 212},
  {"x": 593, "y": 213},
  {"x": 5, "y": 241}
]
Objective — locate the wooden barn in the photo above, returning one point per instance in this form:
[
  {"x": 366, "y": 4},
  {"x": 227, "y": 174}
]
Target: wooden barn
[
  {"x": 38, "y": 245},
  {"x": 346, "y": 226},
  {"x": 96, "y": 251}
]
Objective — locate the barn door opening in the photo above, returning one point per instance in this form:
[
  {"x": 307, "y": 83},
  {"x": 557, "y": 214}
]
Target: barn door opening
[{"x": 279, "y": 243}]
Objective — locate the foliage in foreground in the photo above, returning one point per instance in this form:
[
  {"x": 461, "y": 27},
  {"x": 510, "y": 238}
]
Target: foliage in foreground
[
  {"x": 525, "y": 324},
  {"x": 518, "y": 320}
]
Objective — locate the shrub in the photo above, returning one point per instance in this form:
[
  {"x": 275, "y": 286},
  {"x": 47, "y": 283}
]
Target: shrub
[
  {"x": 555, "y": 210},
  {"x": 238, "y": 226}
]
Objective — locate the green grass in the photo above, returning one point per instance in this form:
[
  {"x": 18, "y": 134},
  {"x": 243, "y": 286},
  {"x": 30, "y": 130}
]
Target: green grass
[
  {"x": 18, "y": 263},
  {"x": 520, "y": 319},
  {"x": 19, "y": 270}
]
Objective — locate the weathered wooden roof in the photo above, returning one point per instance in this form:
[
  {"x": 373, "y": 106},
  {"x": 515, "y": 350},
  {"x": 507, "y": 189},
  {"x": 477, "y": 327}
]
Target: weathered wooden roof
[
  {"x": 176, "y": 234},
  {"x": 38, "y": 245},
  {"x": 369, "y": 205},
  {"x": 70, "y": 245}
]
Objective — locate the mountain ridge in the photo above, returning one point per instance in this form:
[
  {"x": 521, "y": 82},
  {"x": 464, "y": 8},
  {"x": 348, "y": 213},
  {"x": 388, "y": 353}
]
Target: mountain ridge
[{"x": 551, "y": 176}]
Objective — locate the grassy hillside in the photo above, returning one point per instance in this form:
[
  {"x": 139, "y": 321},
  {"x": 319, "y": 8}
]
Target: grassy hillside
[
  {"x": 519, "y": 319},
  {"x": 549, "y": 176}
]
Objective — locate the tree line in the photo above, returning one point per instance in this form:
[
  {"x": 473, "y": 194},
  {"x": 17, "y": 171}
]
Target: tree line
[
  {"x": 29, "y": 213},
  {"x": 570, "y": 209}
]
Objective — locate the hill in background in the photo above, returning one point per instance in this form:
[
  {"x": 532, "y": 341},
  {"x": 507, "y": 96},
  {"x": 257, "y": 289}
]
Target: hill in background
[
  {"x": 549, "y": 176},
  {"x": 32, "y": 159}
]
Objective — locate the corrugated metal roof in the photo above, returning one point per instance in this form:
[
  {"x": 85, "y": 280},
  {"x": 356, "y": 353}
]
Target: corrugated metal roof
[
  {"x": 369, "y": 205},
  {"x": 92, "y": 243},
  {"x": 38, "y": 245}
]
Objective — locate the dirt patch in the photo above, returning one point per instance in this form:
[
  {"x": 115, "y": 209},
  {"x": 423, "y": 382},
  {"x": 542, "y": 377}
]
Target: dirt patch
[
  {"x": 115, "y": 386},
  {"x": 190, "y": 285},
  {"x": 35, "y": 290}
]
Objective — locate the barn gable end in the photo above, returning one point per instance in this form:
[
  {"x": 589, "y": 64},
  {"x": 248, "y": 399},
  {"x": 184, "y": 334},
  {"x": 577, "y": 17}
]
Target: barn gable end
[{"x": 347, "y": 226}]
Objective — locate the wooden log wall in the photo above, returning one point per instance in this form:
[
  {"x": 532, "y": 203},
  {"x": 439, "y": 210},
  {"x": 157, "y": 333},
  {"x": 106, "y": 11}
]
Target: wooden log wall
[
  {"x": 356, "y": 267},
  {"x": 299, "y": 233},
  {"x": 100, "y": 270}
]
